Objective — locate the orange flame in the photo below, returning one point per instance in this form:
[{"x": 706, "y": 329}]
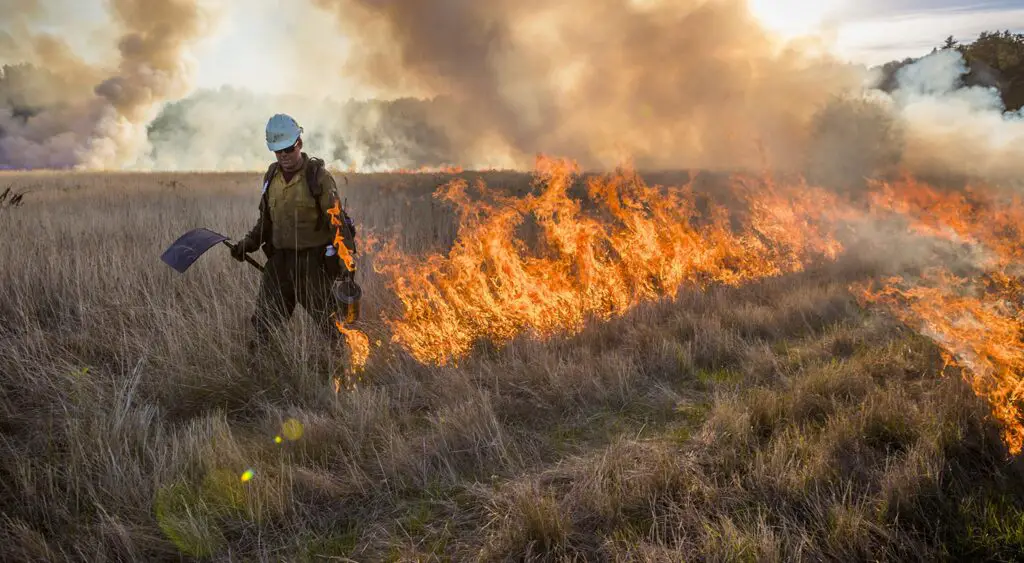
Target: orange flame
[
  {"x": 358, "y": 343},
  {"x": 979, "y": 324},
  {"x": 359, "y": 353},
  {"x": 977, "y": 216},
  {"x": 981, "y": 331},
  {"x": 339, "y": 240},
  {"x": 639, "y": 244},
  {"x": 548, "y": 262}
]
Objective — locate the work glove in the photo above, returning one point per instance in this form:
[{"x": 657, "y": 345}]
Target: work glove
[
  {"x": 239, "y": 250},
  {"x": 332, "y": 263}
]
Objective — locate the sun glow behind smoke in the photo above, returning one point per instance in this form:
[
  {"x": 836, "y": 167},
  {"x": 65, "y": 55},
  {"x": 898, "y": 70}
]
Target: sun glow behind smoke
[{"x": 793, "y": 18}]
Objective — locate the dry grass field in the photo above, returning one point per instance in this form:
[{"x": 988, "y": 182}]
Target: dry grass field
[{"x": 777, "y": 417}]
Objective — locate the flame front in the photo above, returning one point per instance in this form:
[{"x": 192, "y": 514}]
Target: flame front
[
  {"x": 978, "y": 320},
  {"x": 981, "y": 328},
  {"x": 358, "y": 343},
  {"x": 359, "y": 352},
  {"x": 639, "y": 243},
  {"x": 548, "y": 262}
]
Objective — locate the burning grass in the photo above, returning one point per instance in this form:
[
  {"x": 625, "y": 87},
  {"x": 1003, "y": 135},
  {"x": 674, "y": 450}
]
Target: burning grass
[
  {"x": 976, "y": 314},
  {"x": 712, "y": 372},
  {"x": 639, "y": 244}
]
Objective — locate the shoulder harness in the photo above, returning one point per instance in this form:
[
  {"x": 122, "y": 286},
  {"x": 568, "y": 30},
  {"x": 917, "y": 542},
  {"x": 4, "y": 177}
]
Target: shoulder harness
[{"x": 314, "y": 166}]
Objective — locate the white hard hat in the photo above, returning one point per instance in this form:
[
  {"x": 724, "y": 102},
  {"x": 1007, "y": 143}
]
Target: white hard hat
[{"x": 282, "y": 132}]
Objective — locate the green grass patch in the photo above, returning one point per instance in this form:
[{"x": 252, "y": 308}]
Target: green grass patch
[
  {"x": 189, "y": 520},
  {"x": 994, "y": 528},
  {"x": 334, "y": 544},
  {"x": 689, "y": 418},
  {"x": 719, "y": 376}
]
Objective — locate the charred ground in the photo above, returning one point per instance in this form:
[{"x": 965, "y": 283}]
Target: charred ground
[{"x": 777, "y": 420}]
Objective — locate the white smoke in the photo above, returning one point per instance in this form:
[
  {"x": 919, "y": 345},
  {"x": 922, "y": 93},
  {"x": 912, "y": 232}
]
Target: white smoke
[
  {"x": 224, "y": 130},
  {"x": 952, "y": 129},
  {"x": 729, "y": 87}
]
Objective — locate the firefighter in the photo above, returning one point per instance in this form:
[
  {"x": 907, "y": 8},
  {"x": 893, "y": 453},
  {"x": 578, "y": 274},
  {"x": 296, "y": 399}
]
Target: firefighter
[{"x": 295, "y": 232}]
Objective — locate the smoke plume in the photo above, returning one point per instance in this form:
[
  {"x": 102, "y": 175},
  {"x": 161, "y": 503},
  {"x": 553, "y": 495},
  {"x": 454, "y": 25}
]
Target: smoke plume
[
  {"x": 58, "y": 110},
  {"x": 668, "y": 84},
  {"x": 675, "y": 84},
  {"x": 956, "y": 130},
  {"x": 223, "y": 130}
]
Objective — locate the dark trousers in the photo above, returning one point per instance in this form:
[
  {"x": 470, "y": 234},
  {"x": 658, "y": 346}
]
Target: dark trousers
[{"x": 293, "y": 277}]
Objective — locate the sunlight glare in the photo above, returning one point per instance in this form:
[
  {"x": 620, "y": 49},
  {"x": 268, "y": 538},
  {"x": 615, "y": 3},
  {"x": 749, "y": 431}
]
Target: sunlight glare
[{"x": 794, "y": 18}]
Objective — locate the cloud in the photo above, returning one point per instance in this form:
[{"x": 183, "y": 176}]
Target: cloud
[{"x": 893, "y": 31}]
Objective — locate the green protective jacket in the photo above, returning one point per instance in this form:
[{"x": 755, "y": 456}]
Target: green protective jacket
[{"x": 292, "y": 216}]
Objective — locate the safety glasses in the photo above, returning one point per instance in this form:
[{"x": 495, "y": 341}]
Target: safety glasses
[{"x": 288, "y": 150}]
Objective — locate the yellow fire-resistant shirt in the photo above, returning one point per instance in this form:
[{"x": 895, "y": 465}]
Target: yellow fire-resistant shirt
[{"x": 293, "y": 211}]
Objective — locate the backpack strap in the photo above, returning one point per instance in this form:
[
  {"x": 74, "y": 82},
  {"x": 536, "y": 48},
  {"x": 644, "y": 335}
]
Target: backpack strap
[
  {"x": 313, "y": 169},
  {"x": 268, "y": 176}
]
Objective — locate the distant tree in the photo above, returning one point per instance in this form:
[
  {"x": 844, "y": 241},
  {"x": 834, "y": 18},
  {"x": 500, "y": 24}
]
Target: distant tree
[
  {"x": 1002, "y": 55},
  {"x": 994, "y": 59},
  {"x": 887, "y": 80}
]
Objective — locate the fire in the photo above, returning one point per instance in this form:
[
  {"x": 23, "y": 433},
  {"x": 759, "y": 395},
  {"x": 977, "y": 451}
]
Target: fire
[
  {"x": 359, "y": 353},
  {"x": 639, "y": 243},
  {"x": 580, "y": 250},
  {"x": 978, "y": 321},
  {"x": 977, "y": 216},
  {"x": 343, "y": 253},
  {"x": 979, "y": 327},
  {"x": 358, "y": 342}
]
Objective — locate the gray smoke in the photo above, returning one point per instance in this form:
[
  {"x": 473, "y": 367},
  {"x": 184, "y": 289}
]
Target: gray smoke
[
  {"x": 692, "y": 83},
  {"x": 668, "y": 84},
  {"x": 678, "y": 84},
  {"x": 57, "y": 110},
  {"x": 223, "y": 130},
  {"x": 955, "y": 129}
]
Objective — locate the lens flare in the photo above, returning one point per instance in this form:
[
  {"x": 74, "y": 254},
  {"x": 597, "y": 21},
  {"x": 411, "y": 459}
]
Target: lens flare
[{"x": 292, "y": 429}]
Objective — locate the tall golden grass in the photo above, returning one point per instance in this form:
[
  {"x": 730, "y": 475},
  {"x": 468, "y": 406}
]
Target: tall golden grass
[{"x": 776, "y": 421}]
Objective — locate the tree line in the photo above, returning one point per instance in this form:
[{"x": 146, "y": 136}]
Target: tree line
[{"x": 994, "y": 59}]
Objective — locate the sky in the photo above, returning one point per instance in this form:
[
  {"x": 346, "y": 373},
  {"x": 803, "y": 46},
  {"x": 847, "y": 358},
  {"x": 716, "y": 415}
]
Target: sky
[
  {"x": 874, "y": 32},
  {"x": 257, "y": 35},
  {"x": 907, "y": 28}
]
